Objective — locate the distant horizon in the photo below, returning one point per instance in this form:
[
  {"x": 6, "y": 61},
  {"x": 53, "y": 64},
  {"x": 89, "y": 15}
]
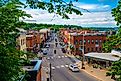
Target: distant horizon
[{"x": 73, "y": 24}]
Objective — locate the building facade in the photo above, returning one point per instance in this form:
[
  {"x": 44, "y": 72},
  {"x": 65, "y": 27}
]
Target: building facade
[
  {"x": 83, "y": 41},
  {"x": 21, "y": 42}
]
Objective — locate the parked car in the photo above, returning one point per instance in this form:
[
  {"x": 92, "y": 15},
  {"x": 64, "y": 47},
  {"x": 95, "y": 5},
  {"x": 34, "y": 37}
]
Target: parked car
[
  {"x": 73, "y": 67},
  {"x": 63, "y": 50}
]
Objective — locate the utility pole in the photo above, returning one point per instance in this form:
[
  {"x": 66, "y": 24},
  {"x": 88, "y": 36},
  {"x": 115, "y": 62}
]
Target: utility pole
[
  {"x": 83, "y": 54},
  {"x": 50, "y": 73}
]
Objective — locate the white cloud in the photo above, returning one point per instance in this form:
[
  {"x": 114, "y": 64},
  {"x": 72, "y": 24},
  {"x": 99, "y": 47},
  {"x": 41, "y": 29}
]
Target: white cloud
[
  {"x": 87, "y": 19},
  {"x": 93, "y": 7}
]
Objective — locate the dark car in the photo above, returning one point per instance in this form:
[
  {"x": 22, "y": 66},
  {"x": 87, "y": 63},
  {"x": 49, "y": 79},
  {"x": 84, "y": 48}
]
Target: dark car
[{"x": 63, "y": 50}]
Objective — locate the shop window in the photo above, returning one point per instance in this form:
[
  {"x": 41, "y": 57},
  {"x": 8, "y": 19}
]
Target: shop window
[
  {"x": 92, "y": 49},
  {"x": 88, "y": 49},
  {"x": 96, "y": 49},
  {"x": 100, "y": 49}
]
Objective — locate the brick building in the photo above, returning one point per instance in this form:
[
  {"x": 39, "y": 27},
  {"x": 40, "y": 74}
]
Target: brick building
[
  {"x": 75, "y": 41},
  {"x": 33, "y": 69},
  {"x": 31, "y": 43}
]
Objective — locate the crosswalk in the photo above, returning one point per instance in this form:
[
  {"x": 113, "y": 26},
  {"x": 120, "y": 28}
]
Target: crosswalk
[
  {"x": 52, "y": 57},
  {"x": 61, "y": 66},
  {"x": 56, "y": 67}
]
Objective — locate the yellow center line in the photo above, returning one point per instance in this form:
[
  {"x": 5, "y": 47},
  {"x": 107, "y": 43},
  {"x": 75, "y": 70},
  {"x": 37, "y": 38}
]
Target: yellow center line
[{"x": 74, "y": 76}]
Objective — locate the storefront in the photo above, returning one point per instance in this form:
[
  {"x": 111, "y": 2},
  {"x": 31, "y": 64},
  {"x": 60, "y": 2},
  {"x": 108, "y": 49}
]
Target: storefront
[{"x": 101, "y": 60}]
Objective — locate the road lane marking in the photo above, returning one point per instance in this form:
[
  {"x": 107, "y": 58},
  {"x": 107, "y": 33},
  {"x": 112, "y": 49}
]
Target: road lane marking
[
  {"x": 66, "y": 65},
  {"x": 57, "y": 66},
  {"x": 53, "y": 67},
  {"x": 62, "y": 65},
  {"x": 62, "y": 56},
  {"x": 59, "y": 57},
  {"x": 51, "y": 57},
  {"x": 48, "y": 58}
]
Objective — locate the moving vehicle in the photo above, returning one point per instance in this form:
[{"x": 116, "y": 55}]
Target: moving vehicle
[{"x": 73, "y": 67}]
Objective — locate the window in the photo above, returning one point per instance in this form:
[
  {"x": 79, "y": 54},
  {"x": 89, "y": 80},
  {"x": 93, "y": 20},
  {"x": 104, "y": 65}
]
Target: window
[
  {"x": 81, "y": 47},
  {"x": 84, "y": 41},
  {"x": 100, "y": 49},
  {"x": 96, "y": 49},
  {"x": 88, "y": 41},
  {"x": 81, "y": 41},
  {"x": 104, "y": 41},
  {"x": 92, "y": 41},
  {"x": 92, "y": 49},
  {"x": 96, "y": 41},
  {"x": 75, "y": 42},
  {"x": 88, "y": 49},
  {"x": 100, "y": 40},
  {"x": 21, "y": 42},
  {"x": 76, "y": 49}
]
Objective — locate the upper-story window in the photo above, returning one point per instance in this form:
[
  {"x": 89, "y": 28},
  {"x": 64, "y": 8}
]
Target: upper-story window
[
  {"x": 96, "y": 41},
  {"x": 92, "y": 41},
  {"x": 88, "y": 41},
  {"x": 21, "y": 42},
  {"x": 76, "y": 42},
  {"x": 84, "y": 41},
  {"x": 81, "y": 41}
]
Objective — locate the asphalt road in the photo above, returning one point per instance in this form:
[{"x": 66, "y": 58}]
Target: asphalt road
[{"x": 60, "y": 62}]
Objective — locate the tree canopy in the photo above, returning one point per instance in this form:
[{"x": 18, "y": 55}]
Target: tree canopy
[
  {"x": 10, "y": 14},
  {"x": 114, "y": 42}
]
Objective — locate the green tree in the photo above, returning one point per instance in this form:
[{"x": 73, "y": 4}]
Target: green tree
[
  {"x": 10, "y": 60},
  {"x": 114, "y": 42},
  {"x": 115, "y": 70},
  {"x": 10, "y": 14}
]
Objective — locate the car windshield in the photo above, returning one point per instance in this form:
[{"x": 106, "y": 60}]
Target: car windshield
[{"x": 75, "y": 67}]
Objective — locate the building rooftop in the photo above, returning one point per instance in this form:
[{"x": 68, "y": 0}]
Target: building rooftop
[{"x": 104, "y": 56}]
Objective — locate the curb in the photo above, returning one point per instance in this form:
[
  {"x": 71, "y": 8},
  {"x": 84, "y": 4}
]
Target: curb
[{"x": 92, "y": 75}]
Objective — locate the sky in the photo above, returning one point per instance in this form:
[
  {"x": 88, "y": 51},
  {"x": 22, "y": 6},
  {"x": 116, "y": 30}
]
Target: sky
[{"x": 99, "y": 16}]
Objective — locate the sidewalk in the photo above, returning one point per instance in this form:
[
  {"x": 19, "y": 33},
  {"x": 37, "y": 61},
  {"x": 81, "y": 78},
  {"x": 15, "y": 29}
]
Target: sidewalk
[
  {"x": 44, "y": 74},
  {"x": 97, "y": 73}
]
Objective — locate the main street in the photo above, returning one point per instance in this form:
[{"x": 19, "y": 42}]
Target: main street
[{"x": 59, "y": 65}]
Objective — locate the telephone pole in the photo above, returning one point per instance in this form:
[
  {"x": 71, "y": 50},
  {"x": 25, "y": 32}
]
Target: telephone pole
[
  {"x": 83, "y": 54},
  {"x": 50, "y": 73}
]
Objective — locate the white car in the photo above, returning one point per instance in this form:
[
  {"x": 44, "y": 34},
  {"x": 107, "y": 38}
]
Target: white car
[
  {"x": 47, "y": 46},
  {"x": 73, "y": 67}
]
